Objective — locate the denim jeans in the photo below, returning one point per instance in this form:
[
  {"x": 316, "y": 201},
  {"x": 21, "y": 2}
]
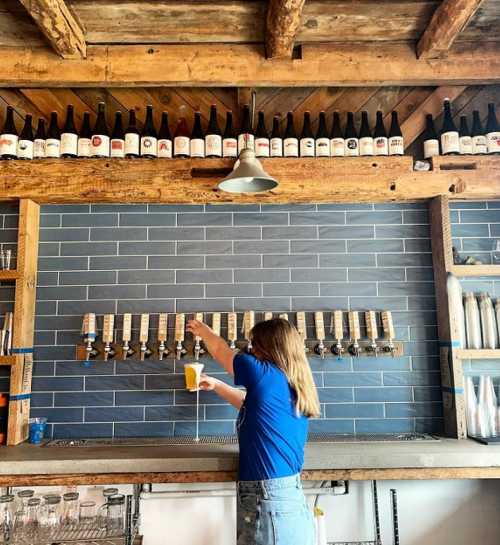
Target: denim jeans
[{"x": 273, "y": 512}]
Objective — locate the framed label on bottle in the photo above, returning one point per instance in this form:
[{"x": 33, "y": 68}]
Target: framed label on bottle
[
  {"x": 165, "y": 149},
  {"x": 100, "y": 145},
  {"x": 69, "y": 143},
  {"x": 493, "y": 139},
  {"x": 322, "y": 147},
  {"x": 479, "y": 145},
  {"x": 197, "y": 147},
  {"x": 307, "y": 147},
  {"x": 450, "y": 142},
  {"x": 465, "y": 145},
  {"x": 8, "y": 144},
  {"x": 117, "y": 148},
  {"x": 380, "y": 146},
  {"x": 262, "y": 147},
  {"x": 431, "y": 148},
  {"x": 230, "y": 147},
  {"x": 39, "y": 148},
  {"x": 351, "y": 147},
  {"x": 213, "y": 145},
  {"x": 396, "y": 145},
  {"x": 84, "y": 147},
  {"x": 366, "y": 145},
  {"x": 52, "y": 147},
  {"x": 291, "y": 147},
  {"x": 276, "y": 147},
  {"x": 246, "y": 141},
  {"x": 149, "y": 146},
  {"x": 132, "y": 142},
  {"x": 337, "y": 147},
  {"x": 181, "y": 145},
  {"x": 25, "y": 149}
]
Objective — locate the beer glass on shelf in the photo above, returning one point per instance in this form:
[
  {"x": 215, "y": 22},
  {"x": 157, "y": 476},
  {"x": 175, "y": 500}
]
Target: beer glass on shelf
[
  {"x": 6, "y": 518},
  {"x": 112, "y": 515},
  {"x": 70, "y": 509}
]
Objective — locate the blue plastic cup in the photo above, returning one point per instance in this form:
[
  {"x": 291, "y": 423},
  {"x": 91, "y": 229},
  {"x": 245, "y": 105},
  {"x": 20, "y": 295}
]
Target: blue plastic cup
[{"x": 37, "y": 429}]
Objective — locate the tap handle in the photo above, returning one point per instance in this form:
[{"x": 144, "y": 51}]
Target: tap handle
[
  {"x": 144, "y": 329},
  {"x": 232, "y": 328},
  {"x": 248, "y": 323},
  {"x": 88, "y": 325},
  {"x": 301, "y": 324},
  {"x": 162, "y": 327},
  {"x": 371, "y": 325},
  {"x": 319, "y": 323},
  {"x": 268, "y": 316},
  {"x": 127, "y": 328},
  {"x": 354, "y": 329},
  {"x": 180, "y": 327},
  {"x": 284, "y": 316},
  {"x": 388, "y": 325},
  {"x": 216, "y": 323},
  {"x": 108, "y": 328},
  {"x": 199, "y": 318},
  {"x": 338, "y": 325}
]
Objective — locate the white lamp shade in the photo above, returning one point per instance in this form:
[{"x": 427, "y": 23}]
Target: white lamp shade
[{"x": 247, "y": 176}]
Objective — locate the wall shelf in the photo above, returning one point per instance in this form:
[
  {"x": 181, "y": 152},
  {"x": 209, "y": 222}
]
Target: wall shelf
[
  {"x": 464, "y": 271},
  {"x": 469, "y": 354}
]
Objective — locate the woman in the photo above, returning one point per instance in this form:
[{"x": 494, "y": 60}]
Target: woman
[{"x": 273, "y": 415}]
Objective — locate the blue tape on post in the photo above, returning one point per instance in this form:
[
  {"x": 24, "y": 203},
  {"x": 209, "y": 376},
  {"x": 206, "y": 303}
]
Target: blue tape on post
[
  {"x": 452, "y": 344},
  {"x": 22, "y": 350},
  {"x": 17, "y": 397},
  {"x": 452, "y": 390}
]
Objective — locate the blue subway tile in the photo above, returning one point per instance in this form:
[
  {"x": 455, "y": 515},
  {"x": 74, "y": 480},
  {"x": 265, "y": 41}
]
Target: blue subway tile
[
  {"x": 390, "y": 394},
  {"x": 89, "y": 220},
  {"x": 176, "y": 262},
  {"x": 113, "y": 414},
  {"x": 339, "y": 289},
  {"x": 412, "y": 378},
  {"x": 119, "y": 233},
  {"x": 470, "y": 230},
  {"x": 85, "y": 278},
  {"x": 59, "y": 415},
  {"x": 331, "y": 426},
  {"x": 258, "y": 275},
  {"x": 319, "y": 303},
  {"x": 57, "y": 384},
  {"x": 173, "y": 413},
  {"x": 408, "y": 410},
  {"x": 375, "y": 245},
  {"x": 63, "y": 264},
  {"x": 235, "y": 233},
  {"x": 261, "y": 246},
  {"x": 318, "y": 275},
  {"x": 147, "y": 248},
  {"x": 346, "y": 260},
  {"x": 317, "y": 246},
  {"x": 117, "y": 263},
  {"x": 204, "y": 219},
  {"x": 204, "y": 247},
  {"x": 79, "y": 368},
  {"x": 161, "y": 208},
  {"x": 162, "y": 291},
  {"x": 147, "y": 220},
  {"x": 144, "y": 429},
  {"x": 129, "y": 382},
  {"x": 44, "y": 399},
  {"x": 144, "y": 398},
  {"x": 296, "y": 289},
  {"x": 233, "y": 290},
  {"x": 88, "y": 248},
  {"x": 65, "y": 235},
  {"x": 224, "y": 427},
  {"x": 220, "y": 412},
  {"x": 335, "y": 395},
  {"x": 339, "y": 380},
  {"x": 480, "y": 216},
  {"x": 264, "y": 218},
  {"x": 317, "y": 218},
  {"x": 262, "y": 304},
  {"x": 146, "y": 277},
  {"x": 402, "y": 231},
  {"x": 233, "y": 261},
  {"x": 395, "y": 425},
  {"x": 83, "y": 399},
  {"x": 286, "y": 261},
  {"x": 369, "y": 217},
  {"x": 117, "y": 292},
  {"x": 76, "y": 431},
  {"x": 353, "y": 410},
  {"x": 176, "y": 233},
  {"x": 289, "y": 233},
  {"x": 118, "y": 208}
]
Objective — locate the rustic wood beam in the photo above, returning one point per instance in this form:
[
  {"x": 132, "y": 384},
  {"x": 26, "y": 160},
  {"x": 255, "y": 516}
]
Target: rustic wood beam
[
  {"x": 282, "y": 24},
  {"x": 448, "y": 21},
  {"x": 225, "y": 65},
  {"x": 59, "y": 26}
]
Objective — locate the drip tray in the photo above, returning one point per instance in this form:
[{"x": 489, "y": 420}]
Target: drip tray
[{"x": 232, "y": 439}]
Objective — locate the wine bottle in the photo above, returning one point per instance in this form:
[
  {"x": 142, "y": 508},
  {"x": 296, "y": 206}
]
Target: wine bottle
[
  {"x": 39, "y": 143},
  {"x": 450, "y": 139},
  {"x": 132, "y": 137},
  {"x": 181, "y": 138},
  {"x": 431, "y": 141},
  {"x": 213, "y": 137},
  {"x": 380, "y": 141},
  {"x": 261, "y": 137},
  {"x": 25, "y": 142},
  {"x": 290, "y": 140},
  {"x": 118, "y": 138},
  {"x": 307, "y": 137},
  {"x": 246, "y": 137},
  {"x": 9, "y": 136},
  {"x": 322, "y": 140},
  {"x": 365, "y": 136},
  {"x": 479, "y": 142},
  {"x": 149, "y": 136},
  {"x": 229, "y": 139},
  {"x": 100, "y": 135},
  {"x": 492, "y": 131},
  {"x": 337, "y": 143},
  {"x": 53, "y": 141},
  {"x": 85, "y": 137},
  {"x": 396, "y": 142},
  {"x": 276, "y": 140},
  {"x": 465, "y": 139},
  {"x": 351, "y": 137},
  {"x": 164, "y": 138},
  {"x": 69, "y": 136},
  {"x": 197, "y": 144}
]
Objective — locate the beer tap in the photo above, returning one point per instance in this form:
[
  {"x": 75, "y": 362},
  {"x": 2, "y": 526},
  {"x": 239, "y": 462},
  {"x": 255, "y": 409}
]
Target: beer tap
[
  {"x": 319, "y": 323},
  {"x": 216, "y": 323},
  {"x": 301, "y": 328},
  {"x": 389, "y": 334},
  {"x": 355, "y": 333},
  {"x": 232, "y": 329},
  {"x": 198, "y": 347},
  {"x": 283, "y": 316},
  {"x": 108, "y": 331},
  {"x": 337, "y": 331},
  {"x": 89, "y": 335},
  {"x": 144, "y": 336},
  {"x": 127, "y": 350},
  {"x": 180, "y": 327},
  {"x": 248, "y": 323},
  {"x": 372, "y": 331},
  {"x": 268, "y": 316},
  {"x": 162, "y": 335}
]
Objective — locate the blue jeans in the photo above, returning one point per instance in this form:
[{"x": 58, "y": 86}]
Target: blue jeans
[{"x": 273, "y": 512}]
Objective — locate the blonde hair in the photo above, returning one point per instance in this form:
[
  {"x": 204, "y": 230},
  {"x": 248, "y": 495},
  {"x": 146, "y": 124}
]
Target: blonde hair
[{"x": 277, "y": 341}]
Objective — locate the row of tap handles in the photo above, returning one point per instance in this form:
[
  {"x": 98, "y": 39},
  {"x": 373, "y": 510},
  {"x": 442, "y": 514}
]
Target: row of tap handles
[{"x": 89, "y": 333}]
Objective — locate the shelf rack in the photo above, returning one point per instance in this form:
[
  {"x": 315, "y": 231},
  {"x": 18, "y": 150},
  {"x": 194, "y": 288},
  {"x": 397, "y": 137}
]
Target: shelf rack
[
  {"x": 467, "y": 271},
  {"x": 469, "y": 354}
]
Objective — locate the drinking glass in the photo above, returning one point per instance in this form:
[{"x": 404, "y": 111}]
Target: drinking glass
[
  {"x": 70, "y": 509},
  {"x": 32, "y": 526},
  {"x": 109, "y": 492},
  {"x": 6, "y": 517},
  {"x": 112, "y": 515},
  {"x": 87, "y": 514},
  {"x": 51, "y": 517}
]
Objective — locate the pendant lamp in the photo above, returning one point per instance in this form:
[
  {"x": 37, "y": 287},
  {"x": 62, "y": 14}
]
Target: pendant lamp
[{"x": 247, "y": 176}]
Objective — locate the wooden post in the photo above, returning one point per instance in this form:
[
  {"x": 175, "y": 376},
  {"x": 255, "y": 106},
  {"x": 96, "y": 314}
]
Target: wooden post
[
  {"x": 452, "y": 381},
  {"x": 24, "y": 319}
]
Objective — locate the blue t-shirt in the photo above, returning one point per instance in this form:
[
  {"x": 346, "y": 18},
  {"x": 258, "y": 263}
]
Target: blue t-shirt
[{"x": 271, "y": 434}]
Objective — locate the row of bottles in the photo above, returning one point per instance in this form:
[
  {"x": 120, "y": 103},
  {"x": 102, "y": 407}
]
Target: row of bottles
[
  {"x": 131, "y": 142},
  {"x": 482, "y": 410},
  {"x": 462, "y": 140}
]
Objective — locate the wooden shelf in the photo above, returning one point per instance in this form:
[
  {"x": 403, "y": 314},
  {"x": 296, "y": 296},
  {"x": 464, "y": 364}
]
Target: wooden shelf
[
  {"x": 469, "y": 354},
  {"x": 7, "y": 360},
  {"x": 475, "y": 270},
  {"x": 184, "y": 181}
]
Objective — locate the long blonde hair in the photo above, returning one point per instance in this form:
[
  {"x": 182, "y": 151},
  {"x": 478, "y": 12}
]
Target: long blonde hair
[{"x": 279, "y": 342}]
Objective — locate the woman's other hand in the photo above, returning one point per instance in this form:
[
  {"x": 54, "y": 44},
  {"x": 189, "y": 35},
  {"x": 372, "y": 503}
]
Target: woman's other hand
[
  {"x": 198, "y": 329},
  {"x": 208, "y": 383}
]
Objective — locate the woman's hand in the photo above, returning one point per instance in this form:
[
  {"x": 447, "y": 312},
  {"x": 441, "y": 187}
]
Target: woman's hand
[
  {"x": 208, "y": 383},
  {"x": 198, "y": 329}
]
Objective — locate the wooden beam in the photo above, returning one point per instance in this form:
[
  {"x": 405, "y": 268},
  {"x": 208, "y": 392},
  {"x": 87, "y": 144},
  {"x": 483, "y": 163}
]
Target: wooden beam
[
  {"x": 448, "y": 21},
  {"x": 282, "y": 23},
  {"x": 223, "y": 65},
  {"x": 59, "y": 27}
]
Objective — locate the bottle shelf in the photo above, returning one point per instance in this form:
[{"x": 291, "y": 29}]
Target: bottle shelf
[
  {"x": 465, "y": 271},
  {"x": 482, "y": 354}
]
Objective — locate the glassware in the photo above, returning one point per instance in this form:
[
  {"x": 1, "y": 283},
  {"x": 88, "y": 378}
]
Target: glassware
[
  {"x": 495, "y": 256},
  {"x": 87, "y": 514},
  {"x": 6, "y": 517},
  {"x": 70, "y": 509},
  {"x": 32, "y": 525},
  {"x": 112, "y": 515},
  {"x": 51, "y": 517},
  {"x": 109, "y": 492},
  {"x": 6, "y": 259}
]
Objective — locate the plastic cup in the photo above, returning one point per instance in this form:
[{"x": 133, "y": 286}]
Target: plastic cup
[
  {"x": 192, "y": 374},
  {"x": 37, "y": 428}
]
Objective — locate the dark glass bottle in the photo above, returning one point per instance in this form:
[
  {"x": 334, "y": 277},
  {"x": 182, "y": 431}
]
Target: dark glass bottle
[
  {"x": 213, "y": 137},
  {"x": 181, "y": 138},
  {"x": 337, "y": 142},
  {"x": 465, "y": 139},
  {"x": 69, "y": 136},
  {"x": 430, "y": 137},
  {"x": 246, "y": 137},
  {"x": 9, "y": 136},
  {"x": 492, "y": 131},
  {"x": 85, "y": 136},
  {"x": 229, "y": 139},
  {"x": 322, "y": 148},
  {"x": 276, "y": 143},
  {"x": 197, "y": 144},
  {"x": 53, "y": 141},
  {"x": 290, "y": 140},
  {"x": 118, "y": 138},
  {"x": 149, "y": 136},
  {"x": 132, "y": 137},
  {"x": 100, "y": 134},
  {"x": 25, "y": 142},
  {"x": 40, "y": 138},
  {"x": 450, "y": 139},
  {"x": 351, "y": 137},
  {"x": 396, "y": 142},
  {"x": 365, "y": 136},
  {"x": 380, "y": 140},
  {"x": 479, "y": 142},
  {"x": 261, "y": 137},
  {"x": 307, "y": 137},
  {"x": 164, "y": 138}
]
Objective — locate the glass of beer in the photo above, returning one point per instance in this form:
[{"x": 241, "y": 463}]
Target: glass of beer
[{"x": 192, "y": 373}]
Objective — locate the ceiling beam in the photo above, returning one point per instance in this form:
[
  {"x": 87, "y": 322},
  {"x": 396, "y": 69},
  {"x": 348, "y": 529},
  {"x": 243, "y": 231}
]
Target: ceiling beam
[
  {"x": 282, "y": 24},
  {"x": 448, "y": 21},
  {"x": 59, "y": 26},
  {"x": 226, "y": 65}
]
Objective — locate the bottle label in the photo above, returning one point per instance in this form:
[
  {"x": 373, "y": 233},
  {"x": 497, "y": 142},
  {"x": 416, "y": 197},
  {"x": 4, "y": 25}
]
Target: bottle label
[
  {"x": 132, "y": 142},
  {"x": 465, "y": 145},
  {"x": 479, "y": 145},
  {"x": 396, "y": 145},
  {"x": 149, "y": 146},
  {"x": 262, "y": 147},
  {"x": 84, "y": 147},
  {"x": 366, "y": 145},
  {"x": 181, "y": 145},
  {"x": 230, "y": 147},
  {"x": 52, "y": 147},
  {"x": 69, "y": 143},
  {"x": 322, "y": 147},
  {"x": 25, "y": 149},
  {"x": 165, "y": 148},
  {"x": 213, "y": 145},
  {"x": 337, "y": 147},
  {"x": 307, "y": 147},
  {"x": 351, "y": 147},
  {"x": 431, "y": 148},
  {"x": 100, "y": 145},
  {"x": 39, "y": 148},
  {"x": 450, "y": 142},
  {"x": 380, "y": 146},
  {"x": 291, "y": 147},
  {"x": 197, "y": 147},
  {"x": 277, "y": 147},
  {"x": 246, "y": 141},
  {"x": 8, "y": 144},
  {"x": 493, "y": 139},
  {"x": 117, "y": 148}
]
